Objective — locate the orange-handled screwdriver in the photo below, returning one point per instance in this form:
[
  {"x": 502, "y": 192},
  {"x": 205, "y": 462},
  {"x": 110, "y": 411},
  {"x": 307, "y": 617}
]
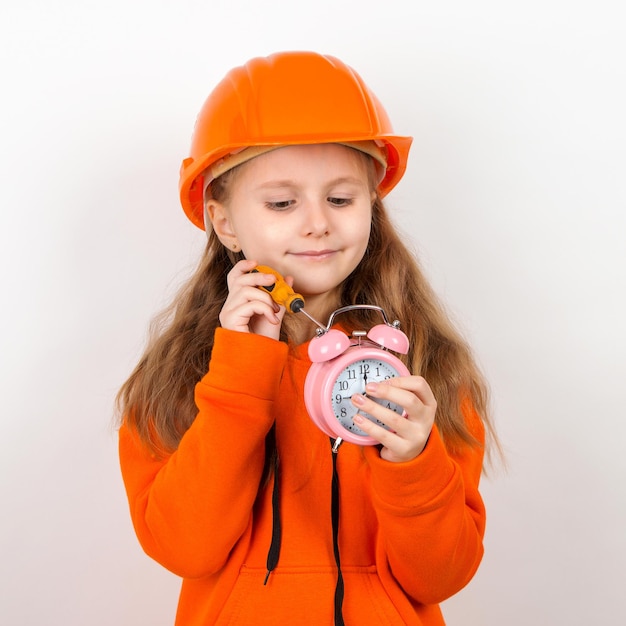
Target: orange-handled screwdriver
[
  {"x": 280, "y": 291},
  {"x": 283, "y": 294}
]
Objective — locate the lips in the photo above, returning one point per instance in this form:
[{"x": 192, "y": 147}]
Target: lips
[{"x": 314, "y": 253}]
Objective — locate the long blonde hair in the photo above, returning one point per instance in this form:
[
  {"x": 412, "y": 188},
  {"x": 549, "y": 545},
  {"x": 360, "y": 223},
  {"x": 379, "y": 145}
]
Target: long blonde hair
[{"x": 158, "y": 397}]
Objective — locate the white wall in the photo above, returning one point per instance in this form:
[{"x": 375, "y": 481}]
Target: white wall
[{"x": 514, "y": 196}]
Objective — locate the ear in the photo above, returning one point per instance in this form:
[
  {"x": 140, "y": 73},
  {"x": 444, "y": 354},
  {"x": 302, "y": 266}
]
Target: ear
[{"x": 220, "y": 220}]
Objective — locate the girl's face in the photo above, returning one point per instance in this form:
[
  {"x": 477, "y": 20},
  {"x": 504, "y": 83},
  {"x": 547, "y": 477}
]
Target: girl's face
[{"x": 303, "y": 210}]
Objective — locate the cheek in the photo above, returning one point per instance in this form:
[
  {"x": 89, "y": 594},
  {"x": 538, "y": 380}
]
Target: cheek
[
  {"x": 360, "y": 236},
  {"x": 363, "y": 231},
  {"x": 257, "y": 239},
  {"x": 269, "y": 235}
]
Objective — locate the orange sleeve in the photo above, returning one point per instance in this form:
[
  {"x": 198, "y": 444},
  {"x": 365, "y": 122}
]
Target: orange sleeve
[
  {"x": 191, "y": 508},
  {"x": 431, "y": 515}
]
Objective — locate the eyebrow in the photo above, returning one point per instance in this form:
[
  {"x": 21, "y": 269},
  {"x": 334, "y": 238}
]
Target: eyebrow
[{"x": 354, "y": 180}]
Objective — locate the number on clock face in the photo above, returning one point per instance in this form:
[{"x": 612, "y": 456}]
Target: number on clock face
[{"x": 353, "y": 379}]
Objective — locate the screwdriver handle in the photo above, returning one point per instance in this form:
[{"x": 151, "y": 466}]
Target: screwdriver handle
[{"x": 280, "y": 291}]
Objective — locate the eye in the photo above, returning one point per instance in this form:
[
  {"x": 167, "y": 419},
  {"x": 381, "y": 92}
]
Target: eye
[
  {"x": 339, "y": 201},
  {"x": 280, "y": 205}
]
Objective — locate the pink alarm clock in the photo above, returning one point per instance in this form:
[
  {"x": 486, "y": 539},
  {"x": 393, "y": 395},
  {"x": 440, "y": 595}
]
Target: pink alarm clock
[{"x": 342, "y": 366}]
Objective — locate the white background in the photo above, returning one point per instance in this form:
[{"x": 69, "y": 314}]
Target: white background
[{"x": 514, "y": 197}]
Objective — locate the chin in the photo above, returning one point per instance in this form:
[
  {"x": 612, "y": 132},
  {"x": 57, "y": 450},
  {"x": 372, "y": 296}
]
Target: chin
[{"x": 318, "y": 293}]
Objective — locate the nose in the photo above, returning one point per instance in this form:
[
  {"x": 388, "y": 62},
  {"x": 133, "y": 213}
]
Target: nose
[{"x": 317, "y": 219}]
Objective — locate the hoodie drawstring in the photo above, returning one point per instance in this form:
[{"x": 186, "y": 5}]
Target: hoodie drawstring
[
  {"x": 277, "y": 530},
  {"x": 335, "y": 521}
]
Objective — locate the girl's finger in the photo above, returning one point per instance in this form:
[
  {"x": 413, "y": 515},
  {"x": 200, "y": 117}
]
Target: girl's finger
[
  {"x": 242, "y": 275},
  {"x": 410, "y": 392}
]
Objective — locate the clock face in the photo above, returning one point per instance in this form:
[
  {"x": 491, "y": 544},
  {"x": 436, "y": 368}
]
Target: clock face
[{"x": 351, "y": 380}]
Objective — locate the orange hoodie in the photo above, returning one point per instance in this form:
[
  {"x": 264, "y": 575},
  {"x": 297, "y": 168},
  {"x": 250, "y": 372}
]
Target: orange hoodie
[{"x": 410, "y": 534}]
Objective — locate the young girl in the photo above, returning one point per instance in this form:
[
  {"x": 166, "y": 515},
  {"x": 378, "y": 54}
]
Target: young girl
[{"x": 231, "y": 485}]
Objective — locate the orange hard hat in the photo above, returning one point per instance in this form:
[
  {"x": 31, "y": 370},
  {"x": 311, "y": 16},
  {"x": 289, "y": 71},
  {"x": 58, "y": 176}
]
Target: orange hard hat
[{"x": 287, "y": 98}]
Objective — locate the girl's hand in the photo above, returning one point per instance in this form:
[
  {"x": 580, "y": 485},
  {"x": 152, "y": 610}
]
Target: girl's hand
[
  {"x": 408, "y": 435},
  {"x": 248, "y": 309}
]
